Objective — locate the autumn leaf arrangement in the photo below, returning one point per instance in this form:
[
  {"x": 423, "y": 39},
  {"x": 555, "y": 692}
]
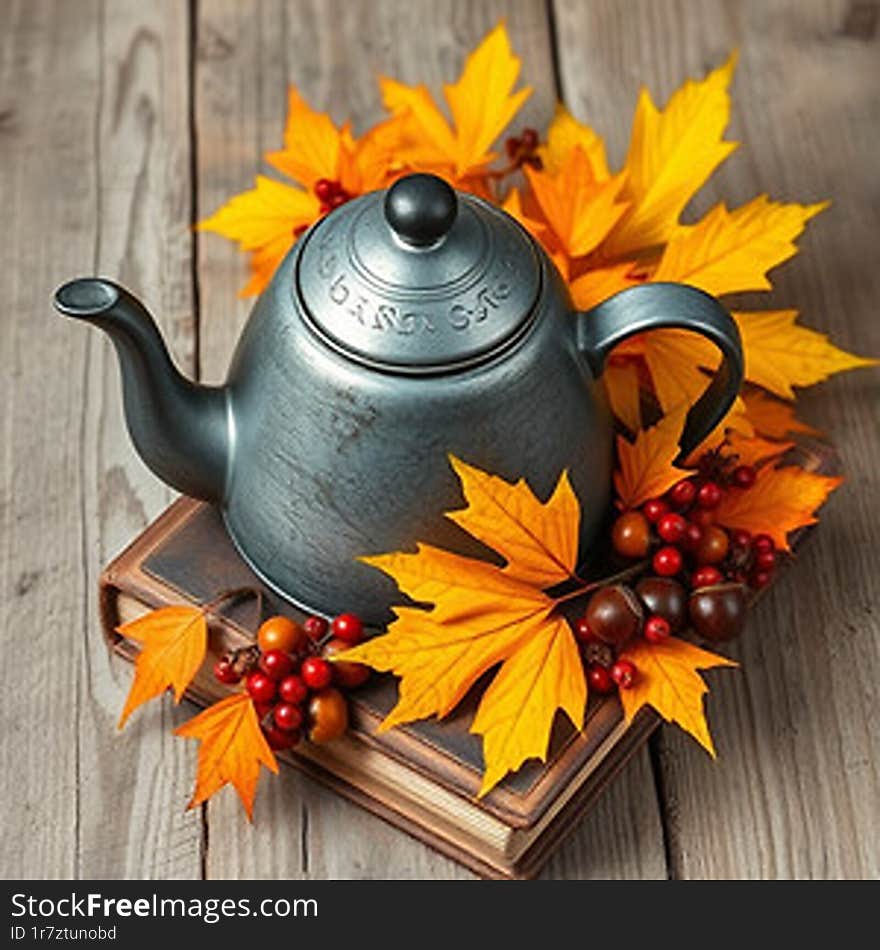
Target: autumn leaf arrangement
[{"x": 690, "y": 542}]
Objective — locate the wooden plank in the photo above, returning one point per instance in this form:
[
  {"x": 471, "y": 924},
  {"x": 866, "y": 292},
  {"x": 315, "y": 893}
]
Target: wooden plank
[
  {"x": 94, "y": 141},
  {"x": 246, "y": 56},
  {"x": 796, "y": 791}
]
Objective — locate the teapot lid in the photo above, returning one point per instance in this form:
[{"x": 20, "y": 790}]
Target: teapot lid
[{"x": 419, "y": 278}]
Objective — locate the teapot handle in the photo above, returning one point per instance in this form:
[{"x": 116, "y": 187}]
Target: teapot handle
[{"x": 666, "y": 305}]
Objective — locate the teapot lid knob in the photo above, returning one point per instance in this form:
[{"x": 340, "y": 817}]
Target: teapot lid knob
[{"x": 421, "y": 209}]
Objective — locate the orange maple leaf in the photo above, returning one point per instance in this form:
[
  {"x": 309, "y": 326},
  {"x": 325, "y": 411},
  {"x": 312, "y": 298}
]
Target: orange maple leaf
[
  {"x": 232, "y": 749},
  {"x": 482, "y": 103},
  {"x": 772, "y": 417},
  {"x": 781, "y": 500},
  {"x": 174, "y": 640},
  {"x": 267, "y": 219},
  {"x": 579, "y": 209},
  {"x": 645, "y": 467},
  {"x": 482, "y": 616},
  {"x": 669, "y": 682}
]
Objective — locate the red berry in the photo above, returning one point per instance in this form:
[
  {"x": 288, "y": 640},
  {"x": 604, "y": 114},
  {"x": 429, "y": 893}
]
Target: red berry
[
  {"x": 348, "y": 627},
  {"x": 276, "y": 664},
  {"x": 623, "y": 673},
  {"x": 765, "y": 560},
  {"x": 761, "y": 579},
  {"x": 672, "y": 528},
  {"x": 654, "y": 509},
  {"x": 260, "y": 686},
  {"x": 279, "y": 739},
  {"x": 763, "y": 542},
  {"x": 744, "y": 476},
  {"x": 599, "y": 680},
  {"x": 529, "y": 139},
  {"x": 583, "y": 632},
  {"x": 512, "y": 146},
  {"x": 316, "y": 673},
  {"x": 325, "y": 208},
  {"x": 338, "y": 199},
  {"x": 656, "y": 629},
  {"x": 709, "y": 495},
  {"x": 316, "y": 628},
  {"x": 667, "y": 561},
  {"x": 706, "y": 577},
  {"x": 741, "y": 538},
  {"x": 292, "y": 689},
  {"x": 713, "y": 547},
  {"x": 693, "y": 534},
  {"x": 288, "y": 716},
  {"x": 683, "y": 493},
  {"x": 324, "y": 189},
  {"x": 224, "y": 672}
]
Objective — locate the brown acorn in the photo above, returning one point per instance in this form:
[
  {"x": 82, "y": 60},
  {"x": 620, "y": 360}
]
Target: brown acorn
[
  {"x": 664, "y": 597},
  {"x": 345, "y": 672},
  {"x": 718, "y": 612},
  {"x": 614, "y": 614}
]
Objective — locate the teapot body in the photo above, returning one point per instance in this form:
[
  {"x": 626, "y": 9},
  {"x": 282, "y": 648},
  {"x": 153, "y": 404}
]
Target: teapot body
[
  {"x": 333, "y": 460},
  {"x": 404, "y": 327}
]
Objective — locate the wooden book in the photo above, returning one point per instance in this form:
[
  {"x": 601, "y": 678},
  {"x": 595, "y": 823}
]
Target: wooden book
[{"x": 421, "y": 777}]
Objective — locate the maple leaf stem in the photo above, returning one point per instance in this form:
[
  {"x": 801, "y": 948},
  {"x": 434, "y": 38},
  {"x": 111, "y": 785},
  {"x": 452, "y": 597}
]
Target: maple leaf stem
[{"x": 587, "y": 586}]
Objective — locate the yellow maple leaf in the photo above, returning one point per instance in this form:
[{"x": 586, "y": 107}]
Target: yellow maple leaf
[
  {"x": 781, "y": 500},
  {"x": 565, "y": 134},
  {"x": 780, "y": 354},
  {"x": 483, "y": 615},
  {"x": 515, "y": 715},
  {"x": 675, "y": 359},
  {"x": 645, "y": 467},
  {"x": 267, "y": 220},
  {"x": 621, "y": 379},
  {"x": 538, "y": 540},
  {"x": 311, "y": 143},
  {"x": 731, "y": 251},
  {"x": 579, "y": 210},
  {"x": 174, "y": 640},
  {"x": 772, "y": 417},
  {"x": 668, "y": 681},
  {"x": 482, "y": 104},
  {"x": 672, "y": 152},
  {"x": 232, "y": 750}
]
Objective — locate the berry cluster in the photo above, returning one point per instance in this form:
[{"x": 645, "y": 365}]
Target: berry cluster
[
  {"x": 331, "y": 194},
  {"x": 291, "y": 681},
  {"x": 522, "y": 149},
  {"x": 656, "y": 608},
  {"x": 680, "y": 534}
]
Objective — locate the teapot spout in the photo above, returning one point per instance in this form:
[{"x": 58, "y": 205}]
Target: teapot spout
[{"x": 179, "y": 428}]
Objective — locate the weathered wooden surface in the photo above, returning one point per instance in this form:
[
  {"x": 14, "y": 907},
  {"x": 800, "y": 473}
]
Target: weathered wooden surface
[{"x": 121, "y": 123}]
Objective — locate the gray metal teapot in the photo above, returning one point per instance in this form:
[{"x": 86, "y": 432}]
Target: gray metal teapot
[{"x": 405, "y": 326}]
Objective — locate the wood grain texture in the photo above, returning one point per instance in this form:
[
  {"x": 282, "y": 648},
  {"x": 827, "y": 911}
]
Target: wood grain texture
[
  {"x": 796, "y": 790},
  {"x": 94, "y": 179},
  {"x": 121, "y": 123}
]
